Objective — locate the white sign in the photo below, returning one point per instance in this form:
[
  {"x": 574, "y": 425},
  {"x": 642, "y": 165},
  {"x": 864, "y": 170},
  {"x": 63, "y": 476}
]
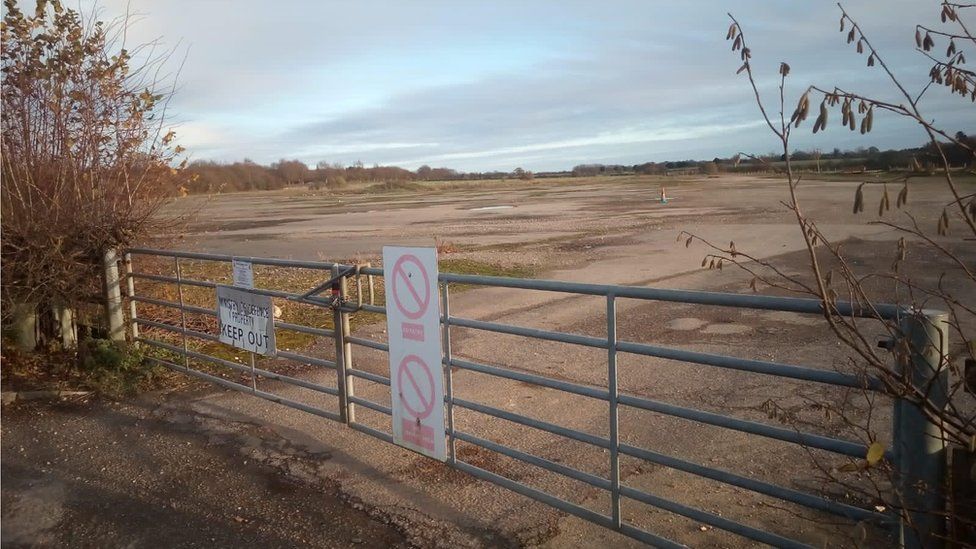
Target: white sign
[
  {"x": 243, "y": 274},
  {"x": 246, "y": 320},
  {"x": 416, "y": 373}
]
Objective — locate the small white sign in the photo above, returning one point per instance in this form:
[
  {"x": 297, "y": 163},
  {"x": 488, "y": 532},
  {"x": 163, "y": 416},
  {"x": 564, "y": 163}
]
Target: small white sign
[
  {"x": 246, "y": 320},
  {"x": 416, "y": 373},
  {"x": 243, "y": 274}
]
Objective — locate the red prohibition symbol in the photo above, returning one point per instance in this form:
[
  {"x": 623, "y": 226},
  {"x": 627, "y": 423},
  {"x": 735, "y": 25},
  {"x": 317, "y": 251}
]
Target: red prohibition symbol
[
  {"x": 402, "y": 281},
  {"x": 410, "y": 367}
]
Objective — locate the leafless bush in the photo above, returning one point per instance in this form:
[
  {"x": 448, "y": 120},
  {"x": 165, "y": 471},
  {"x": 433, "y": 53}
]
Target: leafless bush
[
  {"x": 832, "y": 275},
  {"x": 86, "y": 158}
]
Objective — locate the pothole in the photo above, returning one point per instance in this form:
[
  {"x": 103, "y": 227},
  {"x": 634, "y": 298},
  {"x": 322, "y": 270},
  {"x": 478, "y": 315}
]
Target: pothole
[
  {"x": 686, "y": 323},
  {"x": 726, "y": 329}
]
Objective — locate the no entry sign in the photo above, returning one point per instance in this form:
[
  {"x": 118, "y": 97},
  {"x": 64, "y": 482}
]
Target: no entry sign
[{"x": 413, "y": 325}]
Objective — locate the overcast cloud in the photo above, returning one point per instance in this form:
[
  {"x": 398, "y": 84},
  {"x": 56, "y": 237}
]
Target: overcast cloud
[{"x": 495, "y": 85}]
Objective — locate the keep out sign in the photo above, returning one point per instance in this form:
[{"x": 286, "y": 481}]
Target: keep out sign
[{"x": 413, "y": 325}]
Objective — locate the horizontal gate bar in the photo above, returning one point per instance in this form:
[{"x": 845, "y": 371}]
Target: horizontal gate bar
[
  {"x": 371, "y": 405},
  {"x": 711, "y": 519},
  {"x": 174, "y": 305},
  {"x": 245, "y": 389},
  {"x": 386, "y": 437},
  {"x": 535, "y": 423},
  {"x": 324, "y": 332},
  {"x": 210, "y": 312},
  {"x": 375, "y": 378},
  {"x": 321, "y": 265},
  {"x": 751, "y": 365},
  {"x": 291, "y": 296},
  {"x": 722, "y": 361},
  {"x": 174, "y": 280},
  {"x": 758, "y": 486},
  {"x": 362, "y": 342},
  {"x": 243, "y": 369},
  {"x": 534, "y": 333},
  {"x": 307, "y": 359},
  {"x": 574, "y": 388},
  {"x": 176, "y": 329},
  {"x": 570, "y": 472},
  {"x": 558, "y": 503},
  {"x": 852, "y": 449},
  {"x": 210, "y": 337},
  {"x": 749, "y": 301}
]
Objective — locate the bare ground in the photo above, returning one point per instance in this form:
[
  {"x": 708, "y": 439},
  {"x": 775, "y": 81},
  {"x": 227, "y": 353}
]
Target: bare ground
[{"x": 594, "y": 231}]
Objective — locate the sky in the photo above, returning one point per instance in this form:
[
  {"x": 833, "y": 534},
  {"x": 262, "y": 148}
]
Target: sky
[{"x": 497, "y": 85}]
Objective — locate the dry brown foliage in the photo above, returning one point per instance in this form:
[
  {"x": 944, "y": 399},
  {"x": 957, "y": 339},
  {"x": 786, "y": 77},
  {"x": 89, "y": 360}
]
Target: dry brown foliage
[{"x": 87, "y": 160}]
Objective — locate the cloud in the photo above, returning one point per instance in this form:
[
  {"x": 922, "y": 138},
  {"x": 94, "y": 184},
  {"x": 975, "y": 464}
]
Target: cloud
[{"x": 544, "y": 84}]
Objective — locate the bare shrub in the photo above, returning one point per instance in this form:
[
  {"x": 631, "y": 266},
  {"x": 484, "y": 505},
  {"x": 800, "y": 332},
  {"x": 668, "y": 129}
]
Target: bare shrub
[
  {"x": 86, "y": 160},
  {"x": 833, "y": 275}
]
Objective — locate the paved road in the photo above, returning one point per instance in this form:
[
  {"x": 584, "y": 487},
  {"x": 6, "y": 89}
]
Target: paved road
[{"x": 117, "y": 475}]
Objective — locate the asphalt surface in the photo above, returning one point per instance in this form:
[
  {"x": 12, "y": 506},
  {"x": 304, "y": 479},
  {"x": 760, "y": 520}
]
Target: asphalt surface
[{"x": 116, "y": 475}]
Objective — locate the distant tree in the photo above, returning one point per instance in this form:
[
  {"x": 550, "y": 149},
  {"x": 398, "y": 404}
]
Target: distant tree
[
  {"x": 522, "y": 174},
  {"x": 291, "y": 171}
]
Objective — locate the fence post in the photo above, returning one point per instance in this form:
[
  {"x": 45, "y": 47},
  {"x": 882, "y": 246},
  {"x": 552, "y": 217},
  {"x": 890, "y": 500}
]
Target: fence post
[
  {"x": 613, "y": 412},
  {"x": 130, "y": 286},
  {"x": 446, "y": 304},
  {"x": 343, "y": 351},
  {"x": 920, "y": 444},
  {"x": 114, "y": 317}
]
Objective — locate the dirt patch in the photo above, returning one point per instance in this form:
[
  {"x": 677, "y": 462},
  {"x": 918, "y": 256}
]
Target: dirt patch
[
  {"x": 245, "y": 224},
  {"x": 431, "y": 470}
]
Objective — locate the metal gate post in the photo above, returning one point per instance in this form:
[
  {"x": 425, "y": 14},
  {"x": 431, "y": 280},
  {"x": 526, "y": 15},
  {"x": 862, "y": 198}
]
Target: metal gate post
[
  {"x": 130, "y": 287},
  {"x": 114, "y": 318},
  {"x": 446, "y": 304},
  {"x": 179, "y": 289},
  {"x": 920, "y": 444},
  {"x": 614, "y": 419},
  {"x": 343, "y": 350}
]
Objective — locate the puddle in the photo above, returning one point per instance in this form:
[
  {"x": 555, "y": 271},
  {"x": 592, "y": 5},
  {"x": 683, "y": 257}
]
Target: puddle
[
  {"x": 720, "y": 328},
  {"x": 726, "y": 329},
  {"x": 485, "y": 208},
  {"x": 689, "y": 323}
]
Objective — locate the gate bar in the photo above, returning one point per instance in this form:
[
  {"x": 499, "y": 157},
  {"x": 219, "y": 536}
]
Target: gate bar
[{"x": 765, "y": 302}]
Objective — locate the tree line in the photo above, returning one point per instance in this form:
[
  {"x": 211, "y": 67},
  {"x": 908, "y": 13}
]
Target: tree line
[
  {"x": 207, "y": 176},
  {"x": 212, "y": 177}
]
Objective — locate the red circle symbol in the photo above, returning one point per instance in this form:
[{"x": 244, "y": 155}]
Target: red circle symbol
[
  {"x": 402, "y": 281},
  {"x": 407, "y": 378}
]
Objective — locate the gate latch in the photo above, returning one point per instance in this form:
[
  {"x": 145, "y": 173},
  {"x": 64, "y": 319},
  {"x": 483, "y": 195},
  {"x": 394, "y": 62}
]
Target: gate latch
[{"x": 335, "y": 299}]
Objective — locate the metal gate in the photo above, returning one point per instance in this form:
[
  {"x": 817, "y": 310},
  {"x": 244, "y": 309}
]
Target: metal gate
[{"x": 914, "y": 450}]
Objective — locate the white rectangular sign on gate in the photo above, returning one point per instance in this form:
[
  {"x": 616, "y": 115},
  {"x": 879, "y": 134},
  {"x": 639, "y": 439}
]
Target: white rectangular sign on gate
[
  {"x": 243, "y": 273},
  {"x": 246, "y": 320},
  {"x": 416, "y": 373}
]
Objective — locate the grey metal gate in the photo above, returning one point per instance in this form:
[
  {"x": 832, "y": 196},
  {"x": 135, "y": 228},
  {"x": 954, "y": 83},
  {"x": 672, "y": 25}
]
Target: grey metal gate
[{"x": 917, "y": 448}]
